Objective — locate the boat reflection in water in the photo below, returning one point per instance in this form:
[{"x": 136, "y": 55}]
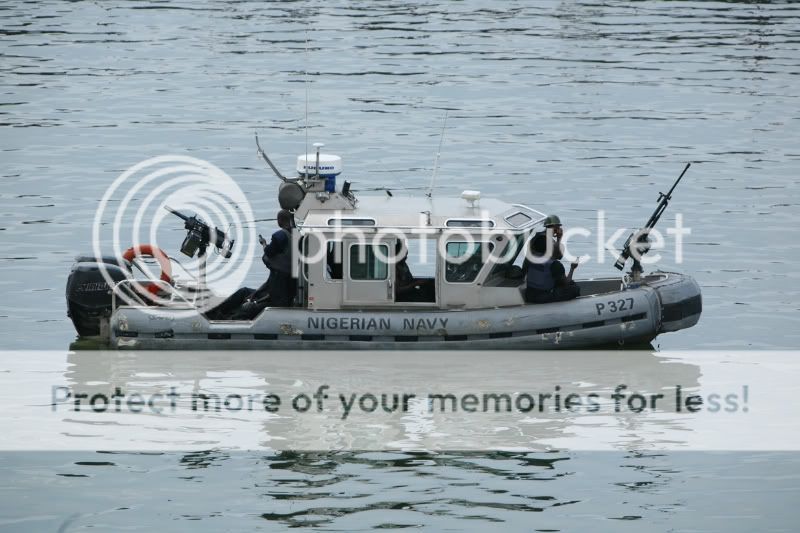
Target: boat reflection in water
[{"x": 381, "y": 401}]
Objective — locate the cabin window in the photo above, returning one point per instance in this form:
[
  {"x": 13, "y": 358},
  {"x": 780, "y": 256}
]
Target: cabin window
[
  {"x": 351, "y": 222},
  {"x": 368, "y": 261},
  {"x": 509, "y": 257},
  {"x": 518, "y": 219},
  {"x": 333, "y": 261},
  {"x": 455, "y": 223},
  {"x": 465, "y": 260}
]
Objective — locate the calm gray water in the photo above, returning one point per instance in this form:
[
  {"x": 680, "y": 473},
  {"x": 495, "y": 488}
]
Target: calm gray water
[{"x": 566, "y": 106}]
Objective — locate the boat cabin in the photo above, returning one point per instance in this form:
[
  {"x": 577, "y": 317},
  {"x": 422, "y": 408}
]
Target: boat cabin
[{"x": 390, "y": 251}]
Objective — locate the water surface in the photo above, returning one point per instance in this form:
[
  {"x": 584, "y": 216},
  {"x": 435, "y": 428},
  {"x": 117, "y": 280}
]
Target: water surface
[{"x": 565, "y": 106}]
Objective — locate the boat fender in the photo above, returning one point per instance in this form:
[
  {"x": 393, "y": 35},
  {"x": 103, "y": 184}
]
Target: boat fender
[{"x": 151, "y": 251}]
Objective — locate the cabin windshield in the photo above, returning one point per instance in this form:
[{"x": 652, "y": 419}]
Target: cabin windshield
[
  {"x": 464, "y": 260},
  {"x": 510, "y": 256}
]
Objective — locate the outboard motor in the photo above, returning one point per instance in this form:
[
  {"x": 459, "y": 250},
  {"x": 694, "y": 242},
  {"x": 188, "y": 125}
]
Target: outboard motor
[{"x": 88, "y": 292}]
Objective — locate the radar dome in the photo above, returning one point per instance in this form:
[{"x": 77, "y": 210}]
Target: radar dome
[{"x": 329, "y": 165}]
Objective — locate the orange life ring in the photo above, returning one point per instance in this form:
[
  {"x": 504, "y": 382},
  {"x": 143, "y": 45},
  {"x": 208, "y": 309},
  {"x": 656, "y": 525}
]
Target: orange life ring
[{"x": 159, "y": 255}]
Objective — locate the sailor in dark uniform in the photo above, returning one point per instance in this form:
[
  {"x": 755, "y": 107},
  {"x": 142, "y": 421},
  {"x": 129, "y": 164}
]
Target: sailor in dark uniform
[
  {"x": 546, "y": 278},
  {"x": 408, "y": 288},
  {"x": 278, "y": 259},
  {"x": 280, "y": 287}
]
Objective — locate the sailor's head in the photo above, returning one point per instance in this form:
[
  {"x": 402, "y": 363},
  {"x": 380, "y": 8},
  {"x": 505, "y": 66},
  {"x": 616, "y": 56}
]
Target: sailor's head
[
  {"x": 552, "y": 221},
  {"x": 284, "y": 219}
]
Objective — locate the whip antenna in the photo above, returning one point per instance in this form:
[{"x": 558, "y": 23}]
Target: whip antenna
[
  {"x": 436, "y": 160},
  {"x": 306, "y": 84}
]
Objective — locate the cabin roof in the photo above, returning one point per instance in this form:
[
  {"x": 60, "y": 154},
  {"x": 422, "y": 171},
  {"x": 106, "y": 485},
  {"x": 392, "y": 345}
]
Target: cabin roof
[{"x": 406, "y": 211}]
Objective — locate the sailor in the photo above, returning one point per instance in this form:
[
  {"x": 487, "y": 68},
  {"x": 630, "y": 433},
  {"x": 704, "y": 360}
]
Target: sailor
[
  {"x": 553, "y": 229},
  {"x": 406, "y": 284},
  {"x": 278, "y": 259},
  {"x": 546, "y": 279},
  {"x": 280, "y": 287},
  {"x": 334, "y": 266},
  {"x": 410, "y": 289}
]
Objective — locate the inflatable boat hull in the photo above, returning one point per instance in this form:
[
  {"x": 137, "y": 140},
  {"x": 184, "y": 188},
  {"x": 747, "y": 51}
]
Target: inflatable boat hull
[{"x": 665, "y": 302}]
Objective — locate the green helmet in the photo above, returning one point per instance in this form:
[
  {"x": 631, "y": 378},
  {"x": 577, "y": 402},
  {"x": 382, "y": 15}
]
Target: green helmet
[{"x": 552, "y": 220}]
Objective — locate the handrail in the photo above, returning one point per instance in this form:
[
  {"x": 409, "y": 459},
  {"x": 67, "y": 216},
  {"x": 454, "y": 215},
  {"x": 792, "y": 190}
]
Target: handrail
[{"x": 133, "y": 293}]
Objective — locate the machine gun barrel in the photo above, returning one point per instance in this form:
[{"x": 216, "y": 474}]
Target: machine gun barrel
[
  {"x": 663, "y": 201},
  {"x": 177, "y": 213},
  {"x": 641, "y": 240}
]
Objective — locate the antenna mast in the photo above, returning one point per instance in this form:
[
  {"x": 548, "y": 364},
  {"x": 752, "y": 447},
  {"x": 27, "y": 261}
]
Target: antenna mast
[
  {"x": 306, "y": 84},
  {"x": 436, "y": 160}
]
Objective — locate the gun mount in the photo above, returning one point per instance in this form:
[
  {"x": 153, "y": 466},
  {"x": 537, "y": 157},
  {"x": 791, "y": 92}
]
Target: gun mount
[{"x": 199, "y": 235}]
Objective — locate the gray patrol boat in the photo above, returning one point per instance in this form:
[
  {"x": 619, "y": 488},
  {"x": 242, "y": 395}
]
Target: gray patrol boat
[{"x": 470, "y": 295}]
